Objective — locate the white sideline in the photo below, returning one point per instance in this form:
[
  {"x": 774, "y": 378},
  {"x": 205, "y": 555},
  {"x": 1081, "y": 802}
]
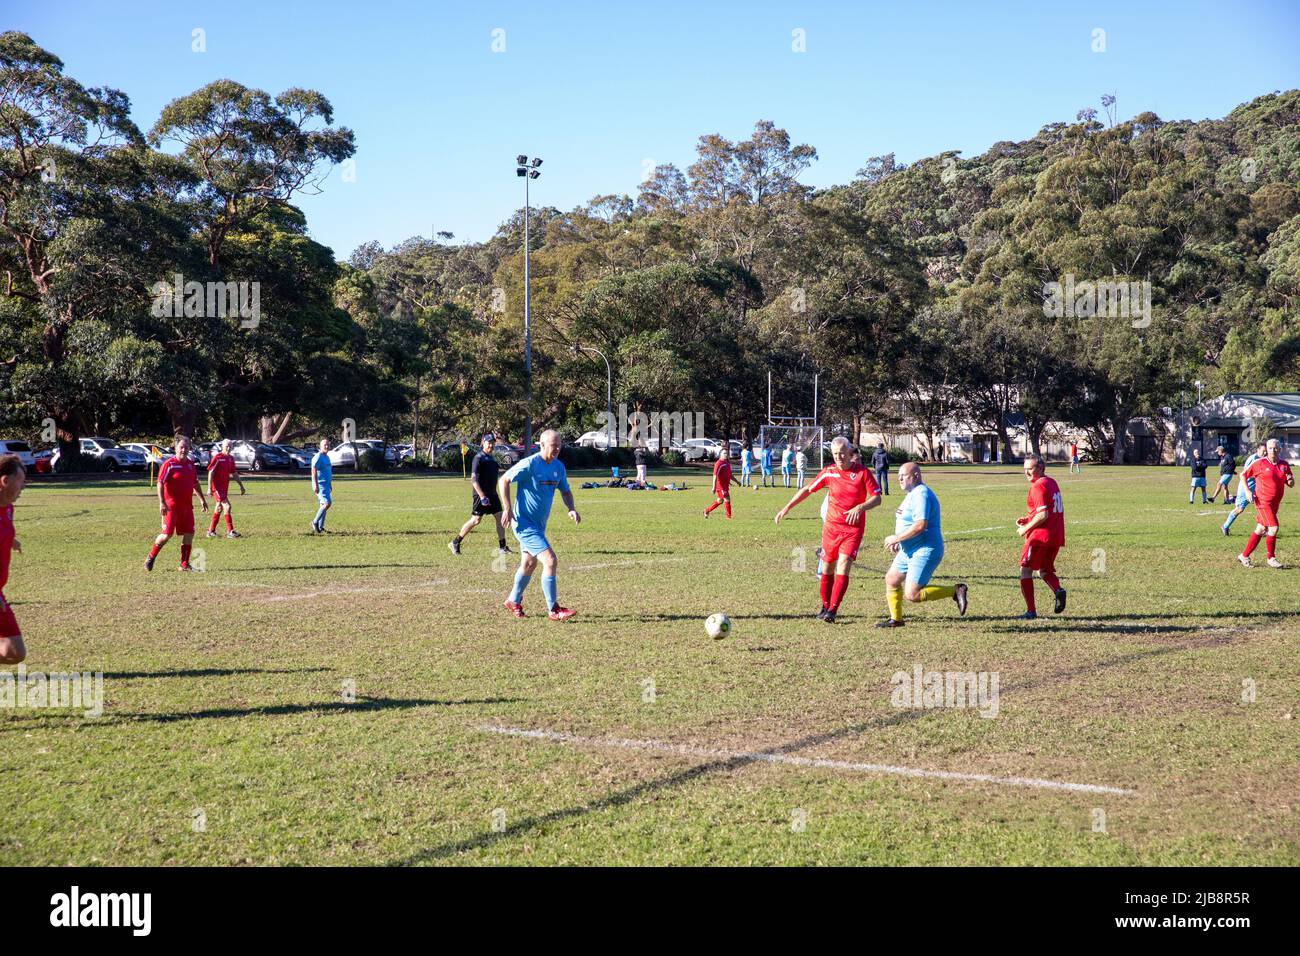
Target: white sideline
[{"x": 688, "y": 751}]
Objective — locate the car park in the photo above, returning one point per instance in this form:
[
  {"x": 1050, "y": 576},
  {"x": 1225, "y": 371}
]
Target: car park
[
  {"x": 111, "y": 455},
  {"x": 259, "y": 456}
]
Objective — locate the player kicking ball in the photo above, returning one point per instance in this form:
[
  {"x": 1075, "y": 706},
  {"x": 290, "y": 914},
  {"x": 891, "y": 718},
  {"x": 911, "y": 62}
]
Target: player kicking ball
[
  {"x": 1272, "y": 476},
  {"x": 13, "y": 476},
  {"x": 1043, "y": 529},
  {"x": 220, "y": 470},
  {"x": 851, "y": 492},
  {"x": 917, "y": 545},
  {"x": 178, "y": 483},
  {"x": 538, "y": 476}
]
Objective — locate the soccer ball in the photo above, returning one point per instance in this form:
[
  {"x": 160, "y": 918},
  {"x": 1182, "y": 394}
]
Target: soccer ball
[{"x": 717, "y": 626}]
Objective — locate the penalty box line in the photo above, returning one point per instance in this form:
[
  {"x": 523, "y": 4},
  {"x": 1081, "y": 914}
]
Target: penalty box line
[{"x": 687, "y": 750}]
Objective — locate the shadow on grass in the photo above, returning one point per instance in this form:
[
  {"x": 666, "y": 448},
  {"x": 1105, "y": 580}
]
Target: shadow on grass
[
  {"x": 362, "y": 705},
  {"x": 214, "y": 672},
  {"x": 630, "y": 794}
]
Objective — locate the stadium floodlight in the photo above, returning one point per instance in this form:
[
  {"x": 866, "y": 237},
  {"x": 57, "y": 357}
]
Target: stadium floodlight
[{"x": 526, "y": 170}]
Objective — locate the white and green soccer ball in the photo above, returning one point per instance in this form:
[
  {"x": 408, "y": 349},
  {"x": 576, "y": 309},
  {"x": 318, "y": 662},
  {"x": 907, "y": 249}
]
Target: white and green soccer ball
[{"x": 717, "y": 626}]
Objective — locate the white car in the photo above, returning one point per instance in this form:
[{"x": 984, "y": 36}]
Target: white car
[
  {"x": 147, "y": 451},
  {"x": 110, "y": 454},
  {"x": 12, "y": 446},
  {"x": 596, "y": 439},
  {"x": 699, "y": 448}
]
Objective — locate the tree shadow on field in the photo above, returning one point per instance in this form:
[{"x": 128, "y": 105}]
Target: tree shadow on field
[
  {"x": 329, "y": 567},
  {"x": 214, "y": 672},
  {"x": 362, "y": 705},
  {"x": 677, "y": 779}
]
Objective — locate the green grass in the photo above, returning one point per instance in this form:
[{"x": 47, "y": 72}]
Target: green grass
[{"x": 224, "y": 689}]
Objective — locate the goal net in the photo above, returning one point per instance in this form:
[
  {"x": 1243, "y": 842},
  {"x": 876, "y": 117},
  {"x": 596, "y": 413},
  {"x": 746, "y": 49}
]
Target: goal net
[{"x": 805, "y": 438}]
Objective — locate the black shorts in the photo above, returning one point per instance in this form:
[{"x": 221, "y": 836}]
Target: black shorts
[{"x": 493, "y": 507}]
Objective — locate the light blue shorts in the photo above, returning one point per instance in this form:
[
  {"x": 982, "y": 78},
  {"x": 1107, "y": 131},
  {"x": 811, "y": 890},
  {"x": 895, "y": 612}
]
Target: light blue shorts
[
  {"x": 325, "y": 495},
  {"x": 531, "y": 539},
  {"x": 919, "y": 566},
  {"x": 1243, "y": 497},
  {"x": 1198, "y": 482},
  {"x": 1225, "y": 480}
]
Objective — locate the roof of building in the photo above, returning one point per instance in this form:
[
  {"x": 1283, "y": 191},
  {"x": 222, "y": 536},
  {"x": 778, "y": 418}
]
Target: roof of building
[{"x": 1282, "y": 407}]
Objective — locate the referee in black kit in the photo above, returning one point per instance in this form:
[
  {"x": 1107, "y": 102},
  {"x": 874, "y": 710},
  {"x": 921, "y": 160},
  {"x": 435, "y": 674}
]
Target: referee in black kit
[{"x": 483, "y": 476}]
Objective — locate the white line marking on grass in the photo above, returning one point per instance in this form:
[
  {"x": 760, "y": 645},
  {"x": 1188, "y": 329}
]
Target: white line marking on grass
[
  {"x": 621, "y": 564},
  {"x": 995, "y": 527},
  {"x": 686, "y": 750},
  {"x": 331, "y": 592}
]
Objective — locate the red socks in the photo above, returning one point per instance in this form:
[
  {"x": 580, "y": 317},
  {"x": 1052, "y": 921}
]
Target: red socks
[
  {"x": 230, "y": 525},
  {"x": 726, "y": 506},
  {"x": 827, "y": 583},
  {"x": 1027, "y": 589},
  {"x": 1051, "y": 580},
  {"x": 837, "y": 590},
  {"x": 153, "y": 552},
  {"x": 1251, "y": 544},
  {"x": 185, "y": 554},
  {"x": 213, "y": 526},
  {"x": 711, "y": 507},
  {"x": 1270, "y": 544}
]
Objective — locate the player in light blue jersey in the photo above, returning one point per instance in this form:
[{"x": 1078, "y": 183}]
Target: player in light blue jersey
[
  {"x": 917, "y": 544},
  {"x": 322, "y": 481},
  {"x": 1245, "y": 487},
  {"x": 538, "y": 477}
]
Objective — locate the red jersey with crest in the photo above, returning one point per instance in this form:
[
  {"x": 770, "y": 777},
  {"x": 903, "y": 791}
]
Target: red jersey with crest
[
  {"x": 722, "y": 476},
  {"x": 6, "y": 543},
  {"x": 1045, "y": 495},
  {"x": 1270, "y": 479},
  {"x": 845, "y": 488},
  {"x": 178, "y": 479},
  {"x": 220, "y": 469}
]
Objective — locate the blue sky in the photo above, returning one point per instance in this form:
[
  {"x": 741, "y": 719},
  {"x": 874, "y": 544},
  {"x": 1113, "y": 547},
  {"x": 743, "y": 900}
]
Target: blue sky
[{"x": 601, "y": 89}]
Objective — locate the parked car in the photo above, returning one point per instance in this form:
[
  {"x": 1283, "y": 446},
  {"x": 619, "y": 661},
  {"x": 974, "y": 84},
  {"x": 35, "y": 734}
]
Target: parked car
[
  {"x": 12, "y": 446},
  {"x": 698, "y": 449},
  {"x": 512, "y": 453},
  {"x": 111, "y": 455},
  {"x": 299, "y": 458},
  {"x": 44, "y": 461},
  {"x": 258, "y": 456},
  {"x": 147, "y": 450},
  {"x": 378, "y": 444},
  {"x": 596, "y": 439}
]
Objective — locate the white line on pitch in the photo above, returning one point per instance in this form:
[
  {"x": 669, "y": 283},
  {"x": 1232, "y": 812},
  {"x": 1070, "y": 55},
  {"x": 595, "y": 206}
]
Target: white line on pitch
[
  {"x": 686, "y": 750},
  {"x": 622, "y": 564}
]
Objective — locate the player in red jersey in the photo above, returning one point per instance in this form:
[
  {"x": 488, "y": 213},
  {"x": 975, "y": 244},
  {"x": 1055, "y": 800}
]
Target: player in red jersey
[
  {"x": 852, "y": 491},
  {"x": 220, "y": 470},
  {"x": 1272, "y": 475},
  {"x": 12, "y": 478},
  {"x": 722, "y": 481},
  {"x": 1043, "y": 529},
  {"x": 178, "y": 483}
]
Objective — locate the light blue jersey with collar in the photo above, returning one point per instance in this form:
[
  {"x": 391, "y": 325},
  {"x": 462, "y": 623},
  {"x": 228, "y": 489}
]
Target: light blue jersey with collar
[
  {"x": 920, "y": 503},
  {"x": 538, "y": 480}
]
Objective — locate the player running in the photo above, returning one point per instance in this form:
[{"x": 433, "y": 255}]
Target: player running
[
  {"x": 220, "y": 470},
  {"x": 1244, "y": 488},
  {"x": 537, "y": 476},
  {"x": 722, "y": 482},
  {"x": 1272, "y": 476},
  {"x": 852, "y": 492},
  {"x": 178, "y": 483},
  {"x": 917, "y": 544},
  {"x": 1043, "y": 529},
  {"x": 322, "y": 484},
  {"x": 483, "y": 474},
  {"x": 1198, "y": 477},
  {"x": 13, "y": 476},
  {"x": 1227, "y": 465}
]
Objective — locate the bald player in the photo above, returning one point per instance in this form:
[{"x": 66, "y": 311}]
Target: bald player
[
  {"x": 220, "y": 470},
  {"x": 538, "y": 477},
  {"x": 917, "y": 546},
  {"x": 1043, "y": 528}
]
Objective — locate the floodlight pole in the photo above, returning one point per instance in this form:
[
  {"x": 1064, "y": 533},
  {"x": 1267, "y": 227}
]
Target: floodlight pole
[
  {"x": 528, "y": 336},
  {"x": 611, "y": 433}
]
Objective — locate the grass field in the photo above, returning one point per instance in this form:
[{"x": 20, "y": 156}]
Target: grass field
[{"x": 226, "y": 737}]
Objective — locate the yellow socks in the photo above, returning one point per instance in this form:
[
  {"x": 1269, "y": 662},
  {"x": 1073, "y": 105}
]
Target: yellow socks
[
  {"x": 894, "y": 597},
  {"x": 934, "y": 592}
]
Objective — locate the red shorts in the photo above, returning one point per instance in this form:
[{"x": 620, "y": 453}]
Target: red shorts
[
  {"x": 1038, "y": 556},
  {"x": 8, "y": 623},
  {"x": 841, "y": 539},
  {"x": 222, "y": 497},
  {"x": 1266, "y": 512},
  {"x": 721, "y": 492},
  {"x": 178, "y": 520}
]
